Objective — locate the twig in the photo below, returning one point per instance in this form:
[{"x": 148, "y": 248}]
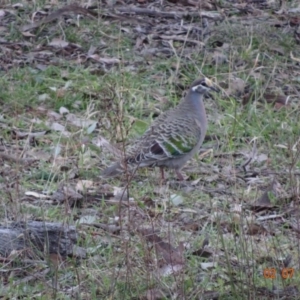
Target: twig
[
  {"x": 170, "y": 14},
  {"x": 181, "y": 39}
]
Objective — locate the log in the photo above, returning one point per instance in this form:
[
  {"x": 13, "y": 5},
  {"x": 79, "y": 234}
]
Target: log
[{"x": 37, "y": 237}]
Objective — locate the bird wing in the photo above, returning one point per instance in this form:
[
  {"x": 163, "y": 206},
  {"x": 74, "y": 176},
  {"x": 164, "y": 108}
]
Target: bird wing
[{"x": 165, "y": 140}]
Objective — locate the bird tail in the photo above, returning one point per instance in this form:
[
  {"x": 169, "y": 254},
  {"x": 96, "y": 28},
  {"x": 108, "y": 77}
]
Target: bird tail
[{"x": 113, "y": 170}]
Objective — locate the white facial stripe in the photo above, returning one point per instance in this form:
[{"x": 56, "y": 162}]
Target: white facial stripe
[{"x": 194, "y": 88}]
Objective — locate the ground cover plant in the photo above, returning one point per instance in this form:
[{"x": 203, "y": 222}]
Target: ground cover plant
[{"x": 79, "y": 82}]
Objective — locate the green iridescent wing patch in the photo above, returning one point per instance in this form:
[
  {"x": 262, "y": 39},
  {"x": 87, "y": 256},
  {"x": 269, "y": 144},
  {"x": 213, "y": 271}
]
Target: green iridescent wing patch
[{"x": 178, "y": 145}]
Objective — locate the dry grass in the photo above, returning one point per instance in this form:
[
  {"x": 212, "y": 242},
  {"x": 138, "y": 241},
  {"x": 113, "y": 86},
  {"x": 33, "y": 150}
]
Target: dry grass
[{"x": 211, "y": 237}]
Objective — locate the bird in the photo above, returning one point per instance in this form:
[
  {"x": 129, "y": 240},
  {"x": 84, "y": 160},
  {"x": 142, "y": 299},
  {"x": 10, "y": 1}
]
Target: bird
[{"x": 172, "y": 139}]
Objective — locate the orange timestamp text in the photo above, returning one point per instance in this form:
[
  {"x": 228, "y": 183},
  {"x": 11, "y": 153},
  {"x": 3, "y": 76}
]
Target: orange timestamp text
[{"x": 270, "y": 273}]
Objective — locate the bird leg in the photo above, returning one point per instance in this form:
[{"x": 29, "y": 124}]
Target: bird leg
[
  {"x": 179, "y": 175},
  {"x": 162, "y": 173}
]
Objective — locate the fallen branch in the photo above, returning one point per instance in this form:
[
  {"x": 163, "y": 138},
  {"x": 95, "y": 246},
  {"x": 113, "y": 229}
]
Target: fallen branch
[
  {"x": 14, "y": 159},
  {"x": 73, "y": 8},
  {"x": 181, "y": 39},
  {"x": 170, "y": 14},
  {"x": 37, "y": 237}
]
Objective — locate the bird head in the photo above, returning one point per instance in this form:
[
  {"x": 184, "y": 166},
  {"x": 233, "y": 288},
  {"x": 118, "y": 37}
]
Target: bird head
[{"x": 202, "y": 86}]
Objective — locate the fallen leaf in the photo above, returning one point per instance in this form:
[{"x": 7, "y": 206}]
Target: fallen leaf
[
  {"x": 83, "y": 185},
  {"x": 154, "y": 294},
  {"x": 28, "y": 34},
  {"x": 58, "y": 43},
  {"x": 63, "y": 110},
  {"x": 79, "y": 122},
  {"x": 171, "y": 255},
  {"x": 254, "y": 229},
  {"x": 176, "y": 199},
  {"x": 102, "y": 142}
]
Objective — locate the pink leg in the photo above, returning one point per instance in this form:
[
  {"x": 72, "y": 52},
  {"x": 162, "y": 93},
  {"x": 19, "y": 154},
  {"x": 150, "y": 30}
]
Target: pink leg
[
  {"x": 162, "y": 173},
  {"x": 179, "y": 175}
]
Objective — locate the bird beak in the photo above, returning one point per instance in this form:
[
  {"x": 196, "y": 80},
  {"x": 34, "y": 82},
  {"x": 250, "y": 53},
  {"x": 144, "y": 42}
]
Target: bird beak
[
  {"x": 215, "y": 89},
  {"x": 211, "y": 86}
]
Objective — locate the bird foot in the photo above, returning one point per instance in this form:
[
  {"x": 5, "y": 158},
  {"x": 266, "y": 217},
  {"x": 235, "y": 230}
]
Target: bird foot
[
  {"x": 179, "y": 175},
  {"x": 162, "y": 174},
  {"x": 179, "y": 185}
]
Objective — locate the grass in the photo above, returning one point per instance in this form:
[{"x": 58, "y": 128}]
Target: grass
[{"x": 123, "y": 99}]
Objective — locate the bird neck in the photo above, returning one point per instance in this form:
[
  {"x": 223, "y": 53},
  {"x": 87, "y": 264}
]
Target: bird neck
[{"x": 194, "y": 100}]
